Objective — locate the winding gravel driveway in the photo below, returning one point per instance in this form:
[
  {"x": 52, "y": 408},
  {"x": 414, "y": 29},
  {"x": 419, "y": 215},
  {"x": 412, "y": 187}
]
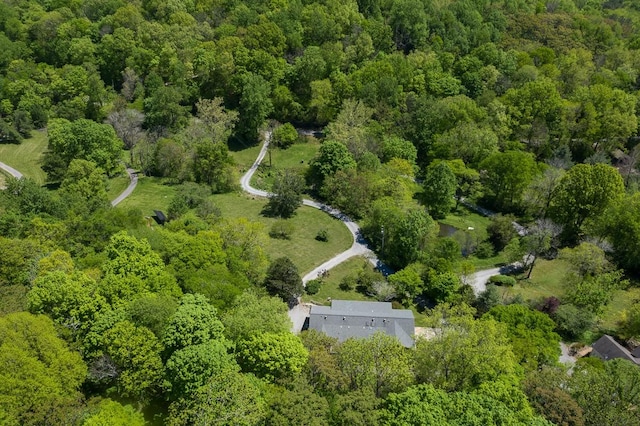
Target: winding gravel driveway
[
  {"x": 13, "y": 172},
  {"x": 133, "y": 182},
  {"x": 359, "y": 246}
]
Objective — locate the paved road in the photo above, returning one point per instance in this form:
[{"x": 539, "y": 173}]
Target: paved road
[
  {"x": 13, "y": 172},
  {"x": 359, "y": 246},
  {"x": 133, "y": 181},
  {"x": 565, "y": 357},
  {"x": 481, "y": 278}
]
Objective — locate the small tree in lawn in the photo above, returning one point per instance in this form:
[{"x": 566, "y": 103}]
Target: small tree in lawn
[
  {"x": 284, "y": 136},
  {"x": 283, "y": 280},
  {"x": 286, "y": 194}
]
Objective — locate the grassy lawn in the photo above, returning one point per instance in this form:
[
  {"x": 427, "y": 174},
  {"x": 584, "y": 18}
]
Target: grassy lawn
[
  {"x": 489, "y": 262},
  {"x": 546, "y": 280},
  {"x": 622, "y": 300},
  {"x": 330, "y": 285},
  {"x": 297, "y": 157},
  {"x": 303, "y": 249},
  {"x": 246, "y": 157},
  {"x": 150, "y": 194},
  {"x": 27, "y": 157}
]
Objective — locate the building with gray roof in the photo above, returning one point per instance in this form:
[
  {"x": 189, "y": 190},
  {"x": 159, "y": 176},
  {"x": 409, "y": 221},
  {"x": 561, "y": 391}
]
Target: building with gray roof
[
  {"x": 607, "y": 348},
  {"x": 349, "y": 318}
]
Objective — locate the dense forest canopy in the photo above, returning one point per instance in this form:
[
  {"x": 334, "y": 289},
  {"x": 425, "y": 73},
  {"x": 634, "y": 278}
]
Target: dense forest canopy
[{"x": 528, "y": 109}]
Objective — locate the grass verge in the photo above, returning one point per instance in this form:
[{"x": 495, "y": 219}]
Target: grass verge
[
  {"x": 116, "y": 185},
  {"x": 27, "y": 156},
  {"x": 150, "y": 194}
]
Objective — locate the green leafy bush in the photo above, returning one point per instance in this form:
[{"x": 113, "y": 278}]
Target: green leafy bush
[
  {"x": 484, "y": 250},
  {"x": 348, "y": 283},
  {"x": 322, "y": 235},
  {"x": 503, "y": 280},
  {"x": 313, "y": 286}
]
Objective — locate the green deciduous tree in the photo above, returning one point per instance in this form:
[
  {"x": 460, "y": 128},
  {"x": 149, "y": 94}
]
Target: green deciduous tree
[
  {"x": 286, "y": 194},
  {"x": 81, "y": 139},
  {"x": 252, "y": 314},
  {"x": 84, "y": 187},
  {"x": 133, "y": 268},
  {"x": 604, "y": 117},
  {"x": 284, "y": 280},
  {"x": 255, "y": 106},
  {"x": 112, "y": 413},
  {"x": 272, "y": 356},
  {"x": 284, "y": 136},
  {"x": 536, "y": 110},
  {"x": 507, "y": 176},
  {"x": 163, "y": 110},
  {"x": 41, "y": 376},
  {"x": 69, "y": 299},
  {"x": 622, "y": 227},
  {"x": 228, "y": 397},
  {"x": 135, "y": 351},
  {"x": 407, "y": 282},
  {"x": 194, "y": 322},
  {"x": 531, "y": 334},
  {"x": 378, "y": 364},
  {"x": 583, "y": 194},
  {"x": 332, "y": 156},
  {"x": 189, "y": 368},
  {"x": 426, "y": 405},
  {"x": 439, "y": 186},
  {"x": 607, "y": 393},
  {"x": 591, "y": 279},
  {"x": 464, "y": 353}
]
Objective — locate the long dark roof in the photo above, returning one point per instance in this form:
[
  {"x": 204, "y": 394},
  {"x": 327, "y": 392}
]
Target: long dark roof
[
  {"x": 345, "y": 319},
  {"x": 607, "y": 348},
  {"x": 358, "y": 308}
]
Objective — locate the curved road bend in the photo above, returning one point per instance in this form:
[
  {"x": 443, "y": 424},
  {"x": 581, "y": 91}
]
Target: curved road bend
[
  {"x": 359, "y": 246},
  {"x": 133, "y": 181}
]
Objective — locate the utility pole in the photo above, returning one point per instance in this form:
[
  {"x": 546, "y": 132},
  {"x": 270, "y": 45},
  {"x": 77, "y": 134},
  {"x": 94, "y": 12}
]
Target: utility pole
[{"x": 382, "y": 232}]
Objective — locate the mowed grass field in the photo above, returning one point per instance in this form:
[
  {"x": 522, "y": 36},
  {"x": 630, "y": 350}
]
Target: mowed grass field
[
  {"x": 27, "y": 156},
  {"x": 297, "y": 157},
  {"x": 150, "y": 194},
  {"x": 546, "y": 280},
  {"x": 303, "y": 249}
]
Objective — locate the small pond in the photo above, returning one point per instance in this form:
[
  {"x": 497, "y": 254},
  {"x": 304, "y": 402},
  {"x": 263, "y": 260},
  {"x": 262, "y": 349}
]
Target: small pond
[{"x": 446, "y": 230}]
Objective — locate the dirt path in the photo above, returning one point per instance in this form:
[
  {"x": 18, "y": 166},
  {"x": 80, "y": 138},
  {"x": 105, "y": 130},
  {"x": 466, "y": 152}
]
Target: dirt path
[{"x": 359, "y": 246}]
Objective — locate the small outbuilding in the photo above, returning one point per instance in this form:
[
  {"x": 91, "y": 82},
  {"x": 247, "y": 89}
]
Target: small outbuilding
[
  {"x": 159, "y": 217},
  {"x": 606, "y": 348},
  {"x": 345, "y": 319}
]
